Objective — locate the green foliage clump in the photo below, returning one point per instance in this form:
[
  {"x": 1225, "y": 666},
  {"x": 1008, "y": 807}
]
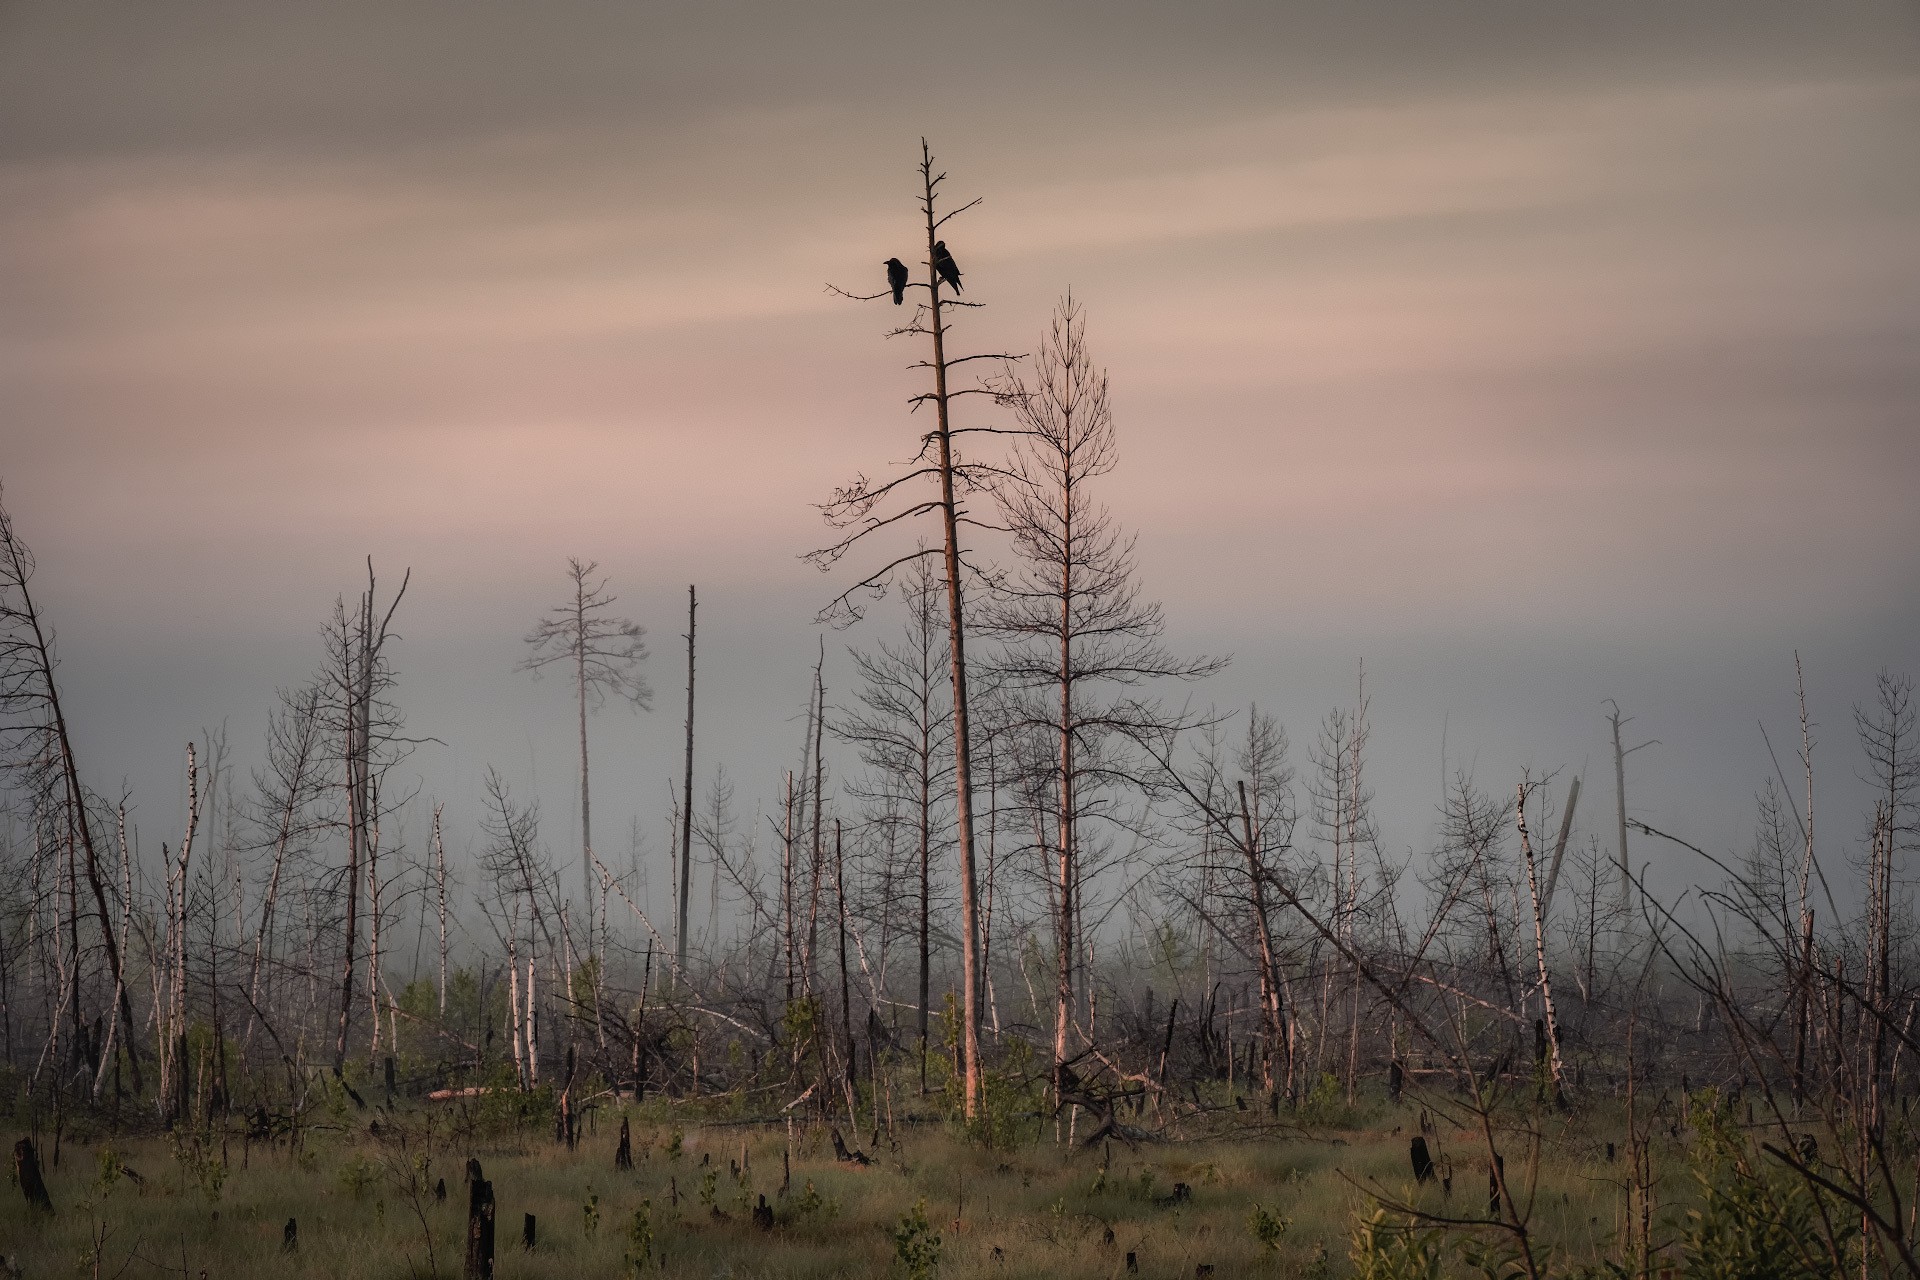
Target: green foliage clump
[
  {"x": 590, "y": 1212},
  {"x": 110, "y": 1172},
  {"x": 201, "y": 1166},
  {"x": 811, "y": 1206},
  {"x": 1012, "y": 1096},
  {"x": 357, "y": 1174},
  {"x": 916, "y": 1245},
  {"x": 1390, "y": 1248},
  {"x": 1267, "y": 1227},
  {"x": 1326, "y": 1103},
  {"x": 640, "y": 1240},
  {"x": 1749, "y": 1227}
]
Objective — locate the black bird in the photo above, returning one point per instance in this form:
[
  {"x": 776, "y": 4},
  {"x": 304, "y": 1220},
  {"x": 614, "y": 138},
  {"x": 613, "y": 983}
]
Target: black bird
[
  {"x": 943, "y": 263},
  {"x": 897, "y": 279}
]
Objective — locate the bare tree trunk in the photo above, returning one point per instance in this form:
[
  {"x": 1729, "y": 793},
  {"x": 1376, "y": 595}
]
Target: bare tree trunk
[
  {"x": 926, "y": 865},
  {"x": 514, "y": 1008},
  {"x": 1620, "y": 755},
  {"x": 686, "y": 808},
  {"x": 957, "y": 656},
  {"x": 359, "y": 672},
  {"x": 1540, "y": 952},
  {"x": 373, "y": 932},
  {"x": 846, "y": 992},
  {"x": 580, "y": 690},
  {"x": 817, "y": 862},
  {"x": 786, "y": 887},
  {"x": 1356, "y": 741},
  {"x": 533, "y": 1022},
  {"x": 1805, "y": 976},
  {"x": 1273, "y": 1014},
  {"x": 440, "y": 884},
  {"x": 1065, "y": 798}
]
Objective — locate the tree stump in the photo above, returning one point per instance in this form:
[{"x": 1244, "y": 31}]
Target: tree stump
[
  {"x": 479, "y": 1229},
  {"x": 527, "y": 1234},
  {"x": 26, "y": 1168},
  {"x": 1396, "y": 1080},
  {"x": 290, "y": 1237},
  {"x": 623, "y": 1154},
  {"x": 1422, "y": 1161},
  {"x": 440, "y": 1189}
]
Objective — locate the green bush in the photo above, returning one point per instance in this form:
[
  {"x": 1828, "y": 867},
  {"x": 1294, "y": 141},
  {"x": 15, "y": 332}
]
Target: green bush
[
  {"x": 1267, "y": 1227},
  {"x": 1753, "y": 1228},
  {"x": 916, "y": 1245}
]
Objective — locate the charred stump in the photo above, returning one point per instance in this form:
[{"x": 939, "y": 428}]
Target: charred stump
[
  {"x": 479, "y": 1229},
  {"x": 1422, "y": 1161},
  {"x": 26, "y": 1168}
]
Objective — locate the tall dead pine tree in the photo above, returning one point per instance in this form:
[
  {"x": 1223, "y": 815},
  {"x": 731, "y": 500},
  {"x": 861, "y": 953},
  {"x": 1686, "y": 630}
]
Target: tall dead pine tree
[
  {"x": 686, "y": 804},
  {"x": 867, "y": 507},
  {"x": 1077, "y": 637},
  {"x": 605, "y": 653}
]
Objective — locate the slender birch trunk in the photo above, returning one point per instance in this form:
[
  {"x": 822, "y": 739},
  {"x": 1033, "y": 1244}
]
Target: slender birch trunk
[{"x": 1540, "y": 952}]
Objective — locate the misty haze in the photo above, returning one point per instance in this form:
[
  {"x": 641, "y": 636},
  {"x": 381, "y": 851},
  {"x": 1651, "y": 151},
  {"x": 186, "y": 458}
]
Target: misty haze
[{"x": 1074, "y": 640}]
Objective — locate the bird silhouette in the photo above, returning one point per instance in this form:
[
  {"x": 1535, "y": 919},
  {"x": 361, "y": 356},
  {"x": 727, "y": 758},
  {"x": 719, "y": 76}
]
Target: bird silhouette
[
  {"x": 897, "y": 279},
  {"x": 943, "y": 263}
]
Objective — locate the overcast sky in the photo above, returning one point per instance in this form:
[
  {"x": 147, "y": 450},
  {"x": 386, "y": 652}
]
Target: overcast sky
[{"x": 1535, "y": 354}]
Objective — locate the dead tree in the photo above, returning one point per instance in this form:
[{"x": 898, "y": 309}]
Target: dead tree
[
  {"x": 285, "y": 816},
  {"x": 902, "y": 727},
  {"x": 1549, "y": 1024},
  {"x": 1620, "y": 754},
  {"x": 34, "y": 737},
  {"x": 686, "y": 805},
  {"x": 361, "y": 714},
  {"x": 605, "y": 653},
  {"x": 867, "y": 507},
  {"x": 1242, "y": 812},
  {"x": 1077, "y": 641}
]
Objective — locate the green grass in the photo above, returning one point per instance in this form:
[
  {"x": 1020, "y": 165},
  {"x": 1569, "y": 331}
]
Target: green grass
[{"x": 1033, "y": 1211}]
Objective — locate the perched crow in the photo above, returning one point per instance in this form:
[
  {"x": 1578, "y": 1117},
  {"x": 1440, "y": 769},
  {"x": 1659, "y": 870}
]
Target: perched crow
[
  {"x": 897, "y": 279},
  {"x": 944, "y": 264}
]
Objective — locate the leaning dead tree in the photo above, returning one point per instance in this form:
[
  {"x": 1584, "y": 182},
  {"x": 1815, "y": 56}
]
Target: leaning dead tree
[
  {"x": 34, "y": 742},
  {"x": 868, "y": 507}
]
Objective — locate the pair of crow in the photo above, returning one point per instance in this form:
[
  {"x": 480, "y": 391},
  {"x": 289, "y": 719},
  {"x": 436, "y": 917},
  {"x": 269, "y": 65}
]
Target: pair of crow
[{"x": 942, "y": 262}]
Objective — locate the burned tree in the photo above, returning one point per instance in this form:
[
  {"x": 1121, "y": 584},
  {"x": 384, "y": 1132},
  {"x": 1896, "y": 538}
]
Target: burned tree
[
  {"x": 34, "y": 740},
  {"x": 902, "y": 727},
  {"x": 363, "y": 720},
  {"x": 867, "y": 507},
  {"x": 1077, "y": 641},
  {"x": 604, "y": 653}
]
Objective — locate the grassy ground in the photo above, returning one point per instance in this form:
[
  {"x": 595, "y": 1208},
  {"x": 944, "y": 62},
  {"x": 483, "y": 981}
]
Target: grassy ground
[{"x": 365, "y": 1210}]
